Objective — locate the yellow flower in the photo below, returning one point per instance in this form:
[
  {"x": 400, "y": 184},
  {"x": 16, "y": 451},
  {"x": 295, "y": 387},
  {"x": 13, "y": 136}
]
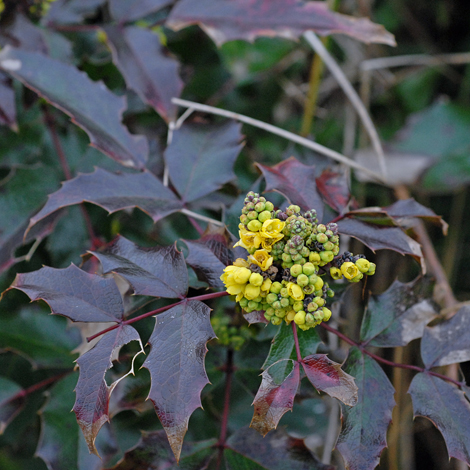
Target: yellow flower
[
  {"x": 235, "y": 279},
  {"x": 251, "y": 291},
  {"x": 266, "y": 285},
  {"x": 349, "y": 270},
  {"x": 295, "y": 291},
  {"x": 267, "y": 243},
  {"x": 241, "y": 263},
  {"x": 262, "y": 259},
  {"x": 248, "y": 239},
  {"x": 272, "y": 228}
]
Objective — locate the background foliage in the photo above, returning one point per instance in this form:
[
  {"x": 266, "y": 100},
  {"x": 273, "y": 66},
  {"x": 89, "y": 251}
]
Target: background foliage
[{"x": 76, "y": 72}]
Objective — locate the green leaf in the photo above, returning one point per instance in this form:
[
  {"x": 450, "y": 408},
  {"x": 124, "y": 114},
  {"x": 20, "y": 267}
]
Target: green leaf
[
  {"x": 113, "y": 192},
  {"x": 448, "y": 342},
  {"x": 90, "y": 105},
  {"x": 29, "y": 333},
  {"x": 364, "y": 430},
  {"x": 247, "y": 19},
  {"x": 61, "y": 444},
  {"x": 155, "y": 271},
  {"x": 140, "y": 57},
  {"x": 153, "y": 452},
  {"x": 200, "y": 157},
  {"x": 399, "y": 315},
  {"x": 73, "y": 293},
  {"x": 283, "y": 345},
  {"x": 176, "y": 366},
  {"x": 447, "y": 408},
  {"x": 11, "y": 402},
  {"x": 247, "y": 449}
]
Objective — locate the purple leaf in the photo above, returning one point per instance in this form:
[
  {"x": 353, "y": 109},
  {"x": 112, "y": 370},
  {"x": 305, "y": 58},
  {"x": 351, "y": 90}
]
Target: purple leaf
[
  {"x": 7, "y": 102},
  {"x": 155, "y": 271},
  {"x": 71, "y": 11},
  {"x": 255, "y": 316},
  {"x": 364, "y": 431},
  {"x": 139, "y": 56},
  {"x": 73, "y": 293},
  {"x": 124, "y": 11},
  {"x": 327, "y": 376},
  {"x": 200, "y": 157},
  {"x": 176, "y": 366},
  {"x": 448, "y": 342},
  {"x": 334, "y": 189},
  {"x": 274, "y": 398},
  {"x": 226, "y": 20},
  {"x": 447, "y": 408},
  {"x": 113, "y": 192},
  {"x": 398, "y": 315},
  {"x": 91, "y": 405},
  {"x": 381, "y": 238},
  {"x": 90, "y": 104},
  {"x": 296, "y": 182}
]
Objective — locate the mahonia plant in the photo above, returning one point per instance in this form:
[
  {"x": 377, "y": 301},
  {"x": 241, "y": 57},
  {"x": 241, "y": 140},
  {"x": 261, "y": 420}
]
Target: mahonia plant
[{"x": 289, "y": 254}]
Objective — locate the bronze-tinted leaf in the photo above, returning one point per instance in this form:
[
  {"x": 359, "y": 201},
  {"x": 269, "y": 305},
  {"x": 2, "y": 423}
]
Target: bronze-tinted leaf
[
  {"x": 327, "y": 376},
  {"x": 90, "y": 105},
  {"x": 113, "y": 192},
  {"x": 156, "y": 271},
  {"x": 399, "y": 314},
  {"x": 247, "y": 449},
  {"x": 11, "y": 402},
  {"x": 296, "y": 182},
  {"x": 71, "y": 11},
  {"x": 275, "y": 397},
  {"x": 73, "y": 293},
  {"x": 209, "y": 255},
  {"x": 153, "y": 452},
  {"x": 447, "y": 408},
  {"x": 91, "y": 405},
  {"x": 152, "y": 74},
  {"x": 448, "y": 342},
  {"x": 176, "y": 366},
  {"x": 364, "y": 431},
  {"x": 124, "y": 10},
  {"x": 225, "y": 20},
  {"x": 381, "y": 238},
  {"x": 256, "y": 316},
  {"x": 334, "y": 189},
  {"x": 200, "y": 157}
]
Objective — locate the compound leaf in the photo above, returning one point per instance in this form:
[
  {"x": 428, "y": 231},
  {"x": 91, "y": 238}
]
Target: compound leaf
[
  {"x": 124, "y": 11},
  {"x": 296, "y": 182},
  {"x": 381, "y": 238},
  {"x": 209, "y": 255},
  {"x": 327, "y": 376},
  {"x": 153, "y": 452},
  {"x": 155, "y": 271},
  {"x": 200, "y": 157},
  {"x": 73, "y": 293},
  {"x": 176, "y": 366},
  {"x": 139, "y": 55},
  {"x": 364, "y": 430},
  {"x": 275, "y": 396},
  {"x": 11, "y": 402},
  {"x": 247, "y": 449},
  {"x": 227, "y": 20},
  {"x": 90, "y": 105},
  {"x": 447, "y": 408},
  {"x": 113, "y": 192},
  {"x": 92, "y": 402},
  {"x": 448, "y": 342},
  {"x": 399, "y": 315}
]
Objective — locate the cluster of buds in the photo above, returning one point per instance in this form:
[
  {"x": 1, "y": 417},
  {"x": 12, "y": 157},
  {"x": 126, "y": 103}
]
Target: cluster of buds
[{"x": 288, "y": 253}]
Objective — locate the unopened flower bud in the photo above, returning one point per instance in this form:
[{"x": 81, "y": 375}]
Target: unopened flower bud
[
  {"x": 309, "y": 269},
  {"x": 322, "y": 238},
  {"x": 314, "y": 257},
  {"x": 264, "y": 216},
  {"x": 321, "y": 228},
  {"x": 296, "y": 270},
  {"x": 259, "y": 206},
  {"x": 275, "y": 287},
  {"x": 363, "y": 265},
  {"x": 326, "y": 256},
  {"x": 299, "y": 318},
  {"x": 254, "y": 225},
  {"x": 302, "y": 280},
  {"x": 326, "y": 314}
]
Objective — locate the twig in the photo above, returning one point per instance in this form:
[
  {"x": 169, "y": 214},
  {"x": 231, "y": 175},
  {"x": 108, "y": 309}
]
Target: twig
[
  {"x": 278, "y": 131},
  {"x": 296, "y": 341},
  {"x": 351, "y": 93},
  {"x": 212, "y": 295},
  {"x": 39, "y": 385},
  {"x": 195, "y": 215}
]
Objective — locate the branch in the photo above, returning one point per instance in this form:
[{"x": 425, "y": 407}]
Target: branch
[
  {"x": 278, "y": 131},
  {"x": 351, "y": 93}
]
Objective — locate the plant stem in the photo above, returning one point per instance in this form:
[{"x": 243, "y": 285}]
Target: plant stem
[
  {"x": 39, "y": 385},
  {"x": 212, "y": 295},
  {"x": 386, "y": 361},
  {"x": 224, "y": 423},
  {"x": 296, "y": 342}
]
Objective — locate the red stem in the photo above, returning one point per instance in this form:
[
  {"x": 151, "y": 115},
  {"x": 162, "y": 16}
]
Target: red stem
[
  {"x": 39, "y": 385},
  {"x": 224, "y": 423},
  {"x": 385, "y": 361},
  {"x": 296, "y": 341},
  {"x": 196, "y": 225},
  {"x": 213, "y": 295}
]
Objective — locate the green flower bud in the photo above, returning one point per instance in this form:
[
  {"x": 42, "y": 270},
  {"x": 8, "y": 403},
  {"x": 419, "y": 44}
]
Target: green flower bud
[
  {"x": 318, "y": 315},
  {"x": 298, "y": 305},
  {"x": 270, "y": 298},
  {"x": 318, "y": 284},
  {"x": 284, "y": 292},
  {"x": 284, "y": 302},
  {"x": 321, "y": 229},
  {"x": 264, "y": 216},
  {"x": 287, "y": 265},
  {"x": 296, "y": 270},
  {"x": 302, "y": 280},
  {"x": 309, "y": 269},
  {"x": 244, "y": 219},
  {"x": 363, "y": 265},
  {"x": 299, "y": 318},
  {"x": 252, "y": 215},
  {"x": 312, "y": 279},
  {"x": 297, "y": 257},
  {"x": 330, "y": 293},
  {"x": 268, "y": 206},
  {"x": 267, "y": 316},
  {"x": 286, "y": 257},
  {"x": 253, "y": 305},
  {"x": 314, "y": 257},
  {"x": 322, "y": 238},
  {"x": 243, "y": 302},
  {"x": 312, "y": 306},
  {"x": 326, "y": 256},
  {"x": 336, "y": 250},
  {"x": 260, "y": 206},
  {"x": 254, "y": 225},
  {"x": 328, "y": 246},
  {"x": 308, "y": 289},
  {"x": 276, "y": 305},
  {"x": 371, "y": 270},
  {"x": 357, "y": 278},
  {"x": 309, "y": 319},
  {"x": 320, "y": 301},
  {"x": 275, "y": 287},
  {"x": 276, "y": 321},
  {"x": 326, "y": 314},
  {"x": 270, "y": 311}
]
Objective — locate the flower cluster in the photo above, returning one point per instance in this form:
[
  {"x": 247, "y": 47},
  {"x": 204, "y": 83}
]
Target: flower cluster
[{"x": 288, "y": 253}]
